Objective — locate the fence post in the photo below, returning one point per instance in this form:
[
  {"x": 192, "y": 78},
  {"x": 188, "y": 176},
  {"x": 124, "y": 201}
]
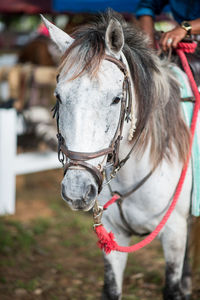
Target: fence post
[{"x": 8, "y": 145}]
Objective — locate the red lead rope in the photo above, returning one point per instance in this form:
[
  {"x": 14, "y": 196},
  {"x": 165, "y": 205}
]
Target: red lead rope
[{"x": 106, "y": 240}]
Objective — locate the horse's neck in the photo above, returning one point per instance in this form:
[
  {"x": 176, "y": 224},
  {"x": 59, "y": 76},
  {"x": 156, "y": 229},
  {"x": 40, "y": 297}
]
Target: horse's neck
[
  {"x": 138, "y": 165},
  {"x": 138, "y": 162}
]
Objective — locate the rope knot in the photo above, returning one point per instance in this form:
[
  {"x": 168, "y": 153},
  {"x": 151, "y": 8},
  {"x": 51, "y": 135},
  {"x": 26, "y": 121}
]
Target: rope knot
[
  {"x": 106, "y": 240},
  {"x": 187, "y": 47}
]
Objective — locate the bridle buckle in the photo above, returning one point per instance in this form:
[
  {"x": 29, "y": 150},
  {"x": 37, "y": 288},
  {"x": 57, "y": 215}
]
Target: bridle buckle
[{"x": 97, "y": 214}]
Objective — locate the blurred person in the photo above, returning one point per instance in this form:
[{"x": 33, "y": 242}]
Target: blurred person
[{"x": 185, "y": 12}]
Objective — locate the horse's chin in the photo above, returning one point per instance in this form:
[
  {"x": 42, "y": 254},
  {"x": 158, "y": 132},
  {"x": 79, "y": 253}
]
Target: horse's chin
[{"x": 79, "y": 205}]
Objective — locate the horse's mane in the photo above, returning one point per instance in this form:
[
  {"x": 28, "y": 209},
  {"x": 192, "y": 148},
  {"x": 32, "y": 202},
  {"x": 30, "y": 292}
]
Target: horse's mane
[{"x": 157, "y": 91}]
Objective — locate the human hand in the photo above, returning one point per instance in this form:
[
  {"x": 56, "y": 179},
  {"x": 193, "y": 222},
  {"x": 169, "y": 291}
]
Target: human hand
[{"x": 172, "y": 38}]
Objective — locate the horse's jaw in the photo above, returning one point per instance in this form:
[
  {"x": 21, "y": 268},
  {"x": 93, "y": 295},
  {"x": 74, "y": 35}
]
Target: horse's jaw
[{"x": 79, "y": 189}]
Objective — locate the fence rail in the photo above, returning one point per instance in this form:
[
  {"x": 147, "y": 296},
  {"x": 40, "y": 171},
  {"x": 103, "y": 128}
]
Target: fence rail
[{"x": 12, "y": 164}]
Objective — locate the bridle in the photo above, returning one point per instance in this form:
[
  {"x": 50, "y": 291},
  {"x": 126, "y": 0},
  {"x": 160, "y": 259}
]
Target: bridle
[{"x": 72, "y": 159}]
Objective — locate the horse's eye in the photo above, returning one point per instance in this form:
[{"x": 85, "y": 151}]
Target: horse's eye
[{"x": 116, "y": 100}]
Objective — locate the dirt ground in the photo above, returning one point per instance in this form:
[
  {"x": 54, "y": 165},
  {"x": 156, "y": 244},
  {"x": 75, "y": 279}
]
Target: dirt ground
[{"x": 48, "y": 252}]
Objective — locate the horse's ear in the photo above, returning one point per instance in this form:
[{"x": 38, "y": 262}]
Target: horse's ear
[
  {"x": 58, "y": 36},
  {"x": 114, "y": 37}
]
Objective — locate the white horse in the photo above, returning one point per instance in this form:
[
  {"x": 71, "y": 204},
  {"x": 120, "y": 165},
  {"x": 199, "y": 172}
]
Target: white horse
[{"x": 90, "y": 89}]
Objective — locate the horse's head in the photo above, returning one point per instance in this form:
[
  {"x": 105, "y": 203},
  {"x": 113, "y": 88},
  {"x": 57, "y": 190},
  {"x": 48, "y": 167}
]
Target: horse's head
[{"x": 90, "y": 92}]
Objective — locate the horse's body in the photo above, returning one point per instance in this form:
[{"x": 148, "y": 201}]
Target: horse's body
[
  {"x": 143, "y": 210},
  {"x": 88, "y": 119}
]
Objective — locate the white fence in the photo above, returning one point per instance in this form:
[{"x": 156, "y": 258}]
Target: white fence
[{"x": 12, "y": 164}]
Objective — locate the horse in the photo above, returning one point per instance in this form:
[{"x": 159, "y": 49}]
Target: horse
[{"x": 100, "y": 115}]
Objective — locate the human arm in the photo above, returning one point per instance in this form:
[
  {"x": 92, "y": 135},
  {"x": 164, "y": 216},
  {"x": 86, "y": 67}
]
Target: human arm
[
  {"x": 146, "y": 11},
  {"x": 173, "y": 37},
  {"x": 147, "y": 25}
]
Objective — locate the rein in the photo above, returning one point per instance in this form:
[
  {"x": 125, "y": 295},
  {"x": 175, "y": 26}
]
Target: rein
[{"x": 106, "y": 240}]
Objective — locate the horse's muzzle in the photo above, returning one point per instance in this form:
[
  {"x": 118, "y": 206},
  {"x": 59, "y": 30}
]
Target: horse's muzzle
[{"x": 79, "y": 189}]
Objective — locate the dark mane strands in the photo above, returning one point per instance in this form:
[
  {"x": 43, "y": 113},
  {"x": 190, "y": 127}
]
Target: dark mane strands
[
  {"x": 157, "y": 92},
  {"x": 91, "y": 50}
]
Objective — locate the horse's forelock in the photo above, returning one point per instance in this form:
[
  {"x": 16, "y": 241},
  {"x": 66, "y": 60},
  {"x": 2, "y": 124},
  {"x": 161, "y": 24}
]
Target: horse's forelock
[{"x": 85, "y": 54}]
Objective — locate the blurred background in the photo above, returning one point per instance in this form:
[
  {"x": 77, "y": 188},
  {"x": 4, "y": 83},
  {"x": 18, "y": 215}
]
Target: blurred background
[{"x": 46, "y": 250}]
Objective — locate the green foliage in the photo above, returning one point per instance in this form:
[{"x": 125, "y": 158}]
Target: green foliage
[
  {"x": 29, "y": 286},
  {"x": 40, "y": 225},
  {"x": 13, "y": 236},
  {"x": 131, "y": 297},
  {"x": 3, "y": 280},
  {"x": 6, "y": 239},
  {"x": 21, "y": 23},
  {"x": 154, "y": 277}
]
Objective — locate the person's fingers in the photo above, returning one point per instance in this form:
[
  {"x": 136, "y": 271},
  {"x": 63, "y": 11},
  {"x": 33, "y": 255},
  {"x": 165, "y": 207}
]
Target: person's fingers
[
  {"x": 163, "y": 37},
  {"x": 175, "y": 41},
  {"x": 169, "y": 42},
  {"x": 166, "y": 41},
  {"x": 172, "y": 38}
]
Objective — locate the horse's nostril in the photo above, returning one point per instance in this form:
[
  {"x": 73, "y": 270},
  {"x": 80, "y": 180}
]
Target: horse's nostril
[
  {"x": 63, "y": 192},
  {"x": 91, "y": 192}
]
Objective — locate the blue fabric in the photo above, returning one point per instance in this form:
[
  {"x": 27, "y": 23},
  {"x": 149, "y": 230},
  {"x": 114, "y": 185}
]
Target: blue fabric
[
  {"x": 94, "y": 5},
  {"x": 181, "y": 9},
  {"x": 188, "y": 107},
  {"x": 195, "y": 205}
]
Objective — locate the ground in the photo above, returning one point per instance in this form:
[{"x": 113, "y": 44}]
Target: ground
[{"x": 48, "y": 252}]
